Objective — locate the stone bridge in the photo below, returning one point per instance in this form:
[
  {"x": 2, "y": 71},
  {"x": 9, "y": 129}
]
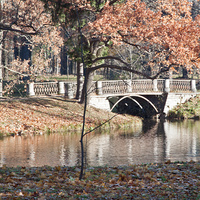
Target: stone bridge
[
  {"x": 144, "y": 97},
  {"x": 141, "y": 96}
]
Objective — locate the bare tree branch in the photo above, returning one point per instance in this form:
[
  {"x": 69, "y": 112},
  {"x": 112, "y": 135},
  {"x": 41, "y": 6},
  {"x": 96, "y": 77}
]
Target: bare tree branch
[
  {"x": 125, "y": 68},
  {"x": 111, "y": 57},
  {"x": 9, "y": 28},
  {"x": 129, "y": 69},
  {"x": 16, "y": 72},
  {"x": 100, "y": 125}
]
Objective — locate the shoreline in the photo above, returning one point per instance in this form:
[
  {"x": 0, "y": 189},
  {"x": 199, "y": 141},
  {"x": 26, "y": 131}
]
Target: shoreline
[
  {"x": 36, "y": 115},
  {"x": 188, "y": 110},
  {"x": 167, "y": 180}
]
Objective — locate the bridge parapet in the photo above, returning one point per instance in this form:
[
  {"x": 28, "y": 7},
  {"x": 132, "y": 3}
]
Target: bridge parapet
[
  {"x": 182, "y": 85},
  {"x": 115, "y": 87},
  {"x": 145, "y": 85},
  {"x": 50, "y": 88},
  {"x": 41, "y": 89}
]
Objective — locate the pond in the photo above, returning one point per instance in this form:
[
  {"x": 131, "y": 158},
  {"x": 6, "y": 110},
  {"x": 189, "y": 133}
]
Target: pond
[{"x": 154, "y": 142}]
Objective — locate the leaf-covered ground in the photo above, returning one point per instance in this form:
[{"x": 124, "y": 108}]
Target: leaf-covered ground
[
  {"x": 39, "y": 115},
  {"x": 150, "y": 181}
]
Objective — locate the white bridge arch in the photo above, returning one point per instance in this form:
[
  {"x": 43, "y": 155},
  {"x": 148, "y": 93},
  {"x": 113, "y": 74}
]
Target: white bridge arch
[{"x": 131, "y": 97}]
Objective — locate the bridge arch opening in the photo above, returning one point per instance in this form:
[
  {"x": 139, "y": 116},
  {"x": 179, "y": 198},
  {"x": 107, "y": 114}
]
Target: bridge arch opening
[
  {"x": 123, "y": 99},
  {"x": 135, "y": 105}
]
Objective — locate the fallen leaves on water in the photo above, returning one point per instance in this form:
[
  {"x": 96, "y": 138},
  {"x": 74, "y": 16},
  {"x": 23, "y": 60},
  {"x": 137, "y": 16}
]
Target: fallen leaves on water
[{"x": 150, "y": 181}]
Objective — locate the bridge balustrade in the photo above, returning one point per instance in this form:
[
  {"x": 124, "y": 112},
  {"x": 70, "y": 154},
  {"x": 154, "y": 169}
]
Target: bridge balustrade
[
  {"x": 180, "y": 85},
  {"x": 114, "y": 87},
  {"x": 51, "y": 88},
  {"x": 142, "y": 85},
  {"x": 46, "y": 88},
  {"x": 146, "y": 85},
  {"x": 43, "y": 89},
  {"x": 130, "y": 86}
]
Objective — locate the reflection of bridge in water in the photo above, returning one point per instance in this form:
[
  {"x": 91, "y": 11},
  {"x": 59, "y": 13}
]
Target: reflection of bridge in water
[
  {"x": 146, "y": 97},
  {"x": 154, "y": 142}
]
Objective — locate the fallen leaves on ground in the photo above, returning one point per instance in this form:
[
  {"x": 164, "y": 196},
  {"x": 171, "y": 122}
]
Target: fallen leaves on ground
[
  {"x": 39, "y": 115},
  {"x": 168, "y": 180}
]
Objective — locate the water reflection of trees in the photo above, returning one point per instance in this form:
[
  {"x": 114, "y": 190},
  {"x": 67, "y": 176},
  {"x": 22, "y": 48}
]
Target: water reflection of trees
[
  {"x": 129, "y": 147},
  {"x": 55, "y": 149},
  {"x": 154, "y": 142},
  {"x": 148, "y": 124}
]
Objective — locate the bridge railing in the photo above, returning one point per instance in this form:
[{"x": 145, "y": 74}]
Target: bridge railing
[
  {"x": 46, "y": 88},
  {"x": 160, "y": 85},
  {"x": 180, "y": 85},
  {"x": 129, "y": 86},
  {"x": 142, "y": 85},
  {"x": 114, "y": 87},
  {"x": 145, "y": 85}
]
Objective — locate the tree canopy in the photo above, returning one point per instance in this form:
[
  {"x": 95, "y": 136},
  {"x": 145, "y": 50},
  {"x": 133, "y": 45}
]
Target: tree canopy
[
  {"x": 170, "y": 33},
  {"x": 26, "y": 25},
  {"x": 165, "y": 32}
]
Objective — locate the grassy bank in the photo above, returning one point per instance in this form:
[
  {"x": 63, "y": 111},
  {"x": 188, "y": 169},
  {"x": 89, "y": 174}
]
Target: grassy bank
[
  {"x": 188, "y": 110},
  {"x": 150, "y": 181},
  {"x": 45, "y": 115}
]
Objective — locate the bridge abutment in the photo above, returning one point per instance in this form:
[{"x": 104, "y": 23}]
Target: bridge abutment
[
  {"x": 174, "y": 99},
  {"x": 100, "y": 102}
]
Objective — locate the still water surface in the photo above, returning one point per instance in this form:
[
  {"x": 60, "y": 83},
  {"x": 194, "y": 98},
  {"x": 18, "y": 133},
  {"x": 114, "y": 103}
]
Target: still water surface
[{"x": 155, "y": 142}]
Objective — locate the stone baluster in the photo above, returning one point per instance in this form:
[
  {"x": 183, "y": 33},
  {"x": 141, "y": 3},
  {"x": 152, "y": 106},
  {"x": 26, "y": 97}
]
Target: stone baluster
[
  {"x": 99, "y": 88},
  {"x": 61, "y": 88},
  {"x": 193, "y": 86},
  {"x": 167, "y": 85},
  {"x": 155, "y": 85},
  {"x": 69, "y": 91},
  {"x": 30, "y": 88}
]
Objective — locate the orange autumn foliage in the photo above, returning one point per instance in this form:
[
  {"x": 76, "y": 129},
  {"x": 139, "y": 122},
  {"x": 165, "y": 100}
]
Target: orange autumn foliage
[{"x": 170, "y": 30}]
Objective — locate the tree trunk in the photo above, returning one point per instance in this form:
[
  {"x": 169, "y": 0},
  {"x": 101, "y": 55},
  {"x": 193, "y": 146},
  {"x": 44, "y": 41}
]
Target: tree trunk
[
  {"x": 79, "y": 80},
  {"x": 1, "y": 63},
  {"x": 89, "y": 76},
  {"x": 1, "y": 41},
  {"x": 185, "y": 73}
]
